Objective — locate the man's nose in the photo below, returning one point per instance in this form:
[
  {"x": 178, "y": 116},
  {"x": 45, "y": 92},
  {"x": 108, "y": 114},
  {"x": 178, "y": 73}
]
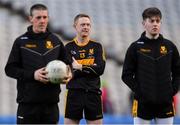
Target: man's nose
[
  {"x": 155, "y": 22},
  {"x": 86, "y": 26},
  {"x": 42, "y": 19}
]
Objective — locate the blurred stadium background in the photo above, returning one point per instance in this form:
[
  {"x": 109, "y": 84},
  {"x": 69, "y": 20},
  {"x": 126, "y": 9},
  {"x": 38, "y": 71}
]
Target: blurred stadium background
[{"x": 116, "y": 23}]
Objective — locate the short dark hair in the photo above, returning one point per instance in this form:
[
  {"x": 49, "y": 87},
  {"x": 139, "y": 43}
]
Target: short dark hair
[
  {"x": 37, "y": 7},
  {"x": 79, "y": 16},
  {"x": 150, "y": 12}
]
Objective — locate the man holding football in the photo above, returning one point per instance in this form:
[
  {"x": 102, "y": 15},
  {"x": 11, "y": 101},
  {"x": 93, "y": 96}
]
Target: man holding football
[{"x": 37, "y": 98}]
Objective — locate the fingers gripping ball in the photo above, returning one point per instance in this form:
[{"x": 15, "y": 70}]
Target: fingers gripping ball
[{"x": 57, "y": 71}]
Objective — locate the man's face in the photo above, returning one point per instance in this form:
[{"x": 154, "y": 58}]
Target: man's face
[
  {"x": 152, "y": 25},
  {"x": 83, "y": 27},
  {"x": 39, "y": 20}
]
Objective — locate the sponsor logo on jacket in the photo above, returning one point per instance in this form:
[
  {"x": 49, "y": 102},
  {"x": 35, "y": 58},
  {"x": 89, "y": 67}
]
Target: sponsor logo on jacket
[
  {"x": 145, "y": 50},
  {"x": 30, "y": 45}
]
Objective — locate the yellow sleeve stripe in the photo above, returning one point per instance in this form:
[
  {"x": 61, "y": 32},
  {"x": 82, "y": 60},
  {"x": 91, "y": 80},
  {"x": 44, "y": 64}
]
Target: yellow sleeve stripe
[{"x": 134, "y": 108}]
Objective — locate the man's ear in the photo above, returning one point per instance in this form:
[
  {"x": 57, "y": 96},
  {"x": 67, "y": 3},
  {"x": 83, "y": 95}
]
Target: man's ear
[
  {"x": 74, "y": 25},
  {"x": 30, "y": 18},
  {"x": 143, "y": 23}
]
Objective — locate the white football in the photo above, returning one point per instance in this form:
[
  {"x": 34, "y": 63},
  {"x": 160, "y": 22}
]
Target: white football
[{"x": 57, "y": 70}]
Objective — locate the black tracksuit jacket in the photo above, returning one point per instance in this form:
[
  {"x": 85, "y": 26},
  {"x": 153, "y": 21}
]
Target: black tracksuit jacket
[
  {"x": 30, "y": 52},
  {"x": 152, "y": 69}
]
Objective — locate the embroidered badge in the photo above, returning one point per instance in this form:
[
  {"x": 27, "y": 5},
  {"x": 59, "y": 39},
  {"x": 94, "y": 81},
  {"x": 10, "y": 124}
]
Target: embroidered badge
[
  {"x": 49, "y": 45},
  {"x": 163, "y": 50}
]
